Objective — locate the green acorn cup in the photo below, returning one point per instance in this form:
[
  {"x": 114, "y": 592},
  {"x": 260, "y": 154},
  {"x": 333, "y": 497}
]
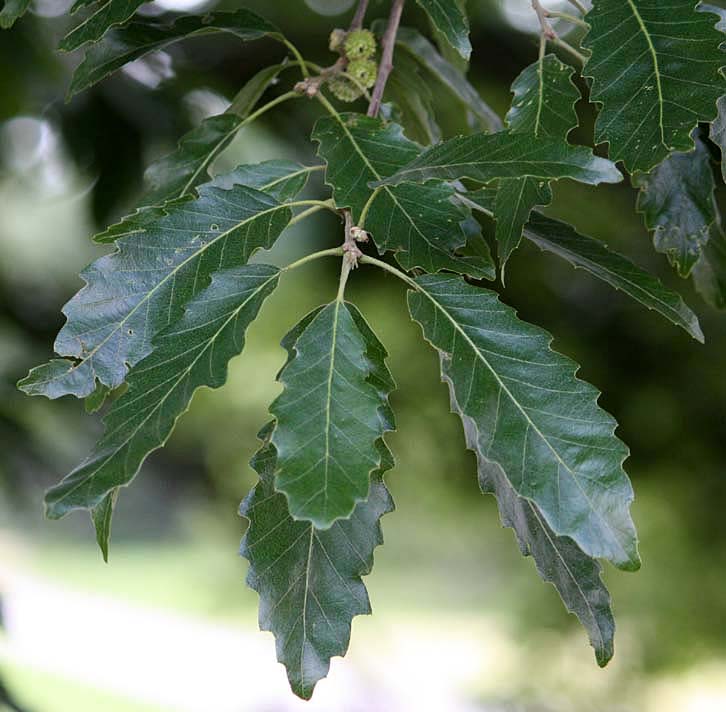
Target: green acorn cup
[
  {"x": 344, "y": 89},
  {"x": 360, "y": 44},
  {"x": 364, "y": 71}
]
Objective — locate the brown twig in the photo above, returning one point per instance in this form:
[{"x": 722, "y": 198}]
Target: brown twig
[
  {"x": 357, "y": 21},
  {"x": 386, "y": 65},
  {"x": 544, "y": 23},
  {"x": 548, "y": 33}
]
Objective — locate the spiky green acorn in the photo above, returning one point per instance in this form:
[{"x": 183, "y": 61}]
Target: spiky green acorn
[
  {"x": 337, "y": 38},
  {"x": 364, "y": 71},
  {"x": 360, "y": 44},
  {"x": 344, "y": 89}
]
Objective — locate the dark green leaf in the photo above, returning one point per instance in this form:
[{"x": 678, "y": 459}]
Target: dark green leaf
[
  {"x": 486, "y": 157},
  {"x": 138, "y": 38},
  {"x": 449, "y": 18},
  {"x": 101, "y": 517},
  {"x": 559, "y": 560},
  {"x": 281, "y": 179},
  {"x": 595, "y": 257},
  {"x": 95, "y": 401},
  {"x": 449, "y": 76},
  {"x": 178, "y": 173},
  {"x": 533, "y": 417},
  {"x": 191, "y": 353},
  {"x": 421, "y": 224},
  {"x": 329, "y": 417},
  {"x": 709, "y": 274},
  {"x": 544, "y": 100},
  {"x": 12, "y": 11},
  {"x": 412, "y": 96},
  {"x": 79, "y": 4},
  {"x": 677, "y": 202},
  {"x": 655, "y": 70},
  {"x": 717, "y": 133},
  {"x": 306, "y": 644},
  {"x": 516, "y": 197},
  {"x": 543, "y": 105},
  {"x": 103, "y": 17},
  {"x": 618, "y": 271},
  {"x": 163, "y": 258},
  {"x": 309, "y": 581},
  {"x": 718, "y": 127}
]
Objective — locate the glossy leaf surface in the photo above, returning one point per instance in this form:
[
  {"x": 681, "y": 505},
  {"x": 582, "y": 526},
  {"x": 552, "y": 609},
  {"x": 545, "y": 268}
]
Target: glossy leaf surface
[
  {"x": 543, "y": 105},
  {"x": 329, "y": 418},
  {"x": 534, "y": 418},
  {"x": 192, "y": 353},
  {"x": 163, "y": 258},
  {"x": 138, "y": 38},
  {"x": 421, "y": 224},
  {"x": 558, "y": 559},
  {"x": 105, "y": 15},
  {"x": 677, "y": 202},
  {"x": 308, "y": 580},
  {"x": 656, "y": 72},
  {"x": 487, "y": 157},
  {"x": 449, "y": 18}
]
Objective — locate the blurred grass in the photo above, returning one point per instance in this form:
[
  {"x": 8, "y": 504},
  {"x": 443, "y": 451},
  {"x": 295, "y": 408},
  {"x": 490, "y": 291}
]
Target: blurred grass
[{"x": 41, "y": 691}]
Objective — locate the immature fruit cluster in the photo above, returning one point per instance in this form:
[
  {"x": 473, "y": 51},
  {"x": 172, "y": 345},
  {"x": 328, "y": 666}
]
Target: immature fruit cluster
[
  {"x": 359, "y": 48},
  {"x": 360, "y": 44}
]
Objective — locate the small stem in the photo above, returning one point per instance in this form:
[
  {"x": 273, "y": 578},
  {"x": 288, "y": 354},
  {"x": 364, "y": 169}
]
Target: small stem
[
  {"x": 357, "y": 21},
  {"x": 366, "y": 260},
  {"x": 218, "y": 148},
  {"x": 569, "y": 18},
  {"x": 475, "y": 206},
  {"x": 367, "y": 207},
  {"x": 298, "y": 57},
  {"x": 317, "y": 206},
  {"x": 386, "y": 65},
  {"x": 567, "y": 46},
  {"x": 282, "y": 179},
  {"x": 332, "y": 252},
  {"x": 549, "y": 34},
  {"x": 328, "y": 106},
  {"x": 322, "y": 204},
  {"x": 544, "y": 23},
  {"x": 304, "y": 214},
  {"x": 579, "y": 6},
  {"x": 345, "y": 268}
]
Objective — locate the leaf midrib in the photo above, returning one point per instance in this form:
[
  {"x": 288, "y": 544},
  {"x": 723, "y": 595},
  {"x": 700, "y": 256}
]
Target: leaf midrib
[
  {"x": 676, "y": 316},
  {"x": 171, "y": 275},
  {"x": 572, "y": 576},
  {"x": 328, "y": 400},
  {"x": 233, "y": 315},
  {"x": 388, "y": 189},
  {"x": 656, "y": 68},
  {"x": 530, "y": 422}
]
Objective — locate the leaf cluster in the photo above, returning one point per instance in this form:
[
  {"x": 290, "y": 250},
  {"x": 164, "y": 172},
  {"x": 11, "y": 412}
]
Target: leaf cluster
[{"x": 165, "y": 310}]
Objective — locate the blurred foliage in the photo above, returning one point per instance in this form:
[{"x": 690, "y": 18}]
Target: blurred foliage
[{"x": 668, "y": 393}]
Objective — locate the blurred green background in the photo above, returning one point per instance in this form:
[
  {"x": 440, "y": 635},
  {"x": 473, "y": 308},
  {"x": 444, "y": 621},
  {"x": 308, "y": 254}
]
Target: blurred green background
[{"x": 462, "y": 621}]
